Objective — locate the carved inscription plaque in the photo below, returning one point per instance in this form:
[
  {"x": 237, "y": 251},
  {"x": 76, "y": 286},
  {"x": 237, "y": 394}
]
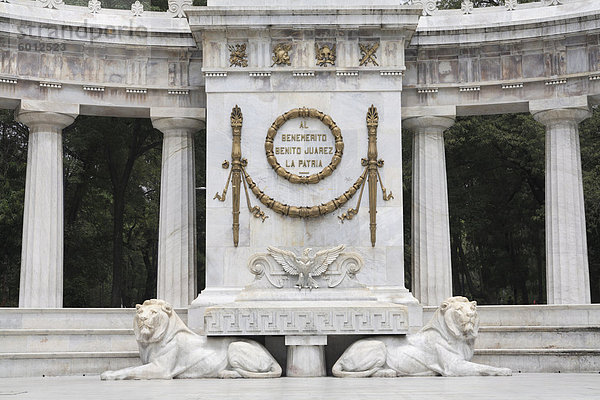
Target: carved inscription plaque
[{"x": 304, "y": 145}]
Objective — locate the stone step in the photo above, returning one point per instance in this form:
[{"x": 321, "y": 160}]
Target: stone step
[
  {"x": 533, "y": 315},
  {"x": 538, "y": 337},
  {"x": 71, "y": 318},
  {"x": 65, "y": 363},
  {"x": 70, "y": 340},
  {"x": 94, "y": 363},
  {"x": 541, "y": 360}
]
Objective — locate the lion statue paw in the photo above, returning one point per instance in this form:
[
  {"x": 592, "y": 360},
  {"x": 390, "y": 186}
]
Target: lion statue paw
[
  {"x": 443, "y": 347},
  {"x": 169, "y": 349}
]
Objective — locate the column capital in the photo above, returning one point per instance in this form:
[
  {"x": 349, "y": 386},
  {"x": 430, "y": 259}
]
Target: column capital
[
  {"x": 35, "y": 113},
  {"x": 554, "y": 111},
  {"x": 561, "y": 115},
  {"x": 422, "y": 118},
  {"x": 429, "y": 122},
  {"x": 166, "y": 119}
]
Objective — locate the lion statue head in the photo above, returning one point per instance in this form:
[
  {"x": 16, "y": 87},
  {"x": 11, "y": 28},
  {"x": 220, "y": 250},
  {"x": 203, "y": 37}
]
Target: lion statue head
[
  {"x": 152, "y": 321},
  {"x": 456, "y": 319}
]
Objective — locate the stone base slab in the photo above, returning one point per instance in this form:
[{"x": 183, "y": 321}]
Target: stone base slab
[{"x": 541, "y": 360}]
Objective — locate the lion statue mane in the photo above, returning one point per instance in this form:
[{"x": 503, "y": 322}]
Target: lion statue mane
[
  {"x": 442, "y": 347},
  {"x": 169, "y": 349}
]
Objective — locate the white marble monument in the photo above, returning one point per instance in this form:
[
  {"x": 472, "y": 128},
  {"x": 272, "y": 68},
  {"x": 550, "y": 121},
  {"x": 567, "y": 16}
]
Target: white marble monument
[
  {"x": 303, "y": 105},
  {"x": 304, "y": 155}
]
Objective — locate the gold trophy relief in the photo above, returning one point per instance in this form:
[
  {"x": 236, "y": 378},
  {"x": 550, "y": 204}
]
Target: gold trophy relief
[{"x": 313, "y": 144}]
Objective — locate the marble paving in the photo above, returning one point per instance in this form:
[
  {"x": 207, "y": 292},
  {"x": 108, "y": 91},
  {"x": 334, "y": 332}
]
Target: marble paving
[{"x": 520, "y": 386}]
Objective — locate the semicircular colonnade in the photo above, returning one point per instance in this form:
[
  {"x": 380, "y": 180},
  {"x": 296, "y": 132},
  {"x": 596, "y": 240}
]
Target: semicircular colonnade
[{"x": 58, "y": 61}]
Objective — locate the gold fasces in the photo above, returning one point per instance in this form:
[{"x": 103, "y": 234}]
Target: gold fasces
[
  {"x": 371, "y": 175},
  {"x": 304, "y": 211},
  {"x": 237, "y": 120},
  {"x": 235, "y": 176},
  {"x": 304, "y": 113},
  {"x": 372, "y": 124}
]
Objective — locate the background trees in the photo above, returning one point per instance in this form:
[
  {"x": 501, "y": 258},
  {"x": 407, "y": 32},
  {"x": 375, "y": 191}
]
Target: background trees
[
  {"x": 13, "y": 164},
  {"x": 112, "y": 177},
  {"x": 112, "y": 189},
  {"x": 495, "y": 168}
]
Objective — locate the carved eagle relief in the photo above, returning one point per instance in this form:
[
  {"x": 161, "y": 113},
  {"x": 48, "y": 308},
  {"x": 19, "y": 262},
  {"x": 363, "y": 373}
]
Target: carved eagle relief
[{"x": 306, "y": 266}]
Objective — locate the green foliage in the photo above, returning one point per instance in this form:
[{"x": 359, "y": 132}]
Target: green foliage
[
  {"x": 449, "y": 4},
  {"x": 106, "y": 161},
  {"x": 13, "y": 165},
  {"x": 496, "y": 197},
  {"x": 590, "y": 165},
  {"x": 495, "y": 172},
  {"x": 112, "y": 178}
]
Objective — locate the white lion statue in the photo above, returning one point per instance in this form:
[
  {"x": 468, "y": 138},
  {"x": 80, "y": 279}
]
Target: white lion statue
[
  {"x": 443, "y": 347},
  {"x": 169, "y": 349}
]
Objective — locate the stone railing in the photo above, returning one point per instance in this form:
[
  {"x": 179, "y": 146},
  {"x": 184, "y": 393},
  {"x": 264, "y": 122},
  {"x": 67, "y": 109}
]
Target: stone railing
[
  {"x": 166, "y": 67},
  {"x": 176, "y": 8},
  {"x": 430, "y": 7}
]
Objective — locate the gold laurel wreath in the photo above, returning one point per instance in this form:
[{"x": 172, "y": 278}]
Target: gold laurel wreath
[{"x": 304, "y": 113}]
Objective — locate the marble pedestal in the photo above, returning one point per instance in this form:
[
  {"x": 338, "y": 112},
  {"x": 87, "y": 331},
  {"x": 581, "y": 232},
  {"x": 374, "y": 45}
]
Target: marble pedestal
[
  {"x": 307, "y": 325},
  {"x": 305, "y": 356}
]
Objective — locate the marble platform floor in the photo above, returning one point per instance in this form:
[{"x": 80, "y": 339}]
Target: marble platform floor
[{"x": 520, "y": 386}]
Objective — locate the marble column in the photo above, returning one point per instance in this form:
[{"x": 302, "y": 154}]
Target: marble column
[
  {"x": 431, "y": 261},
  {"x": 567, "y": 272},
  {"x": 176, "y": 279},
  {"x": 41, "y": 284}
]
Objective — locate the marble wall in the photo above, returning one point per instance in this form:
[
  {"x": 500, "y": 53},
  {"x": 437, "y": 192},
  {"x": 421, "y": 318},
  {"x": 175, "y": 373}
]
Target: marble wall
[
  {"x": 226, "y": 264},
  {"x": 263, "y": 90}
]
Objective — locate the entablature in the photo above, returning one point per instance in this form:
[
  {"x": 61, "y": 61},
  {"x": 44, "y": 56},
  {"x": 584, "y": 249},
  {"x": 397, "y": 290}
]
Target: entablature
[{"x": 109, "y": 61}]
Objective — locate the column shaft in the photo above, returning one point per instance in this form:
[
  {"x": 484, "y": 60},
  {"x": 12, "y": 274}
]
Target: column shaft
[
  {"x": 567, "y": 272},
  {"x": 41, "y": 284},
  {"x": 176, "y": 279},
  {"x": 431, "y": 260}
]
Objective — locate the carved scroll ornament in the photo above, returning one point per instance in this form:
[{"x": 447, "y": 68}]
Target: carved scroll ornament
[{"x": 327, "y": 268}]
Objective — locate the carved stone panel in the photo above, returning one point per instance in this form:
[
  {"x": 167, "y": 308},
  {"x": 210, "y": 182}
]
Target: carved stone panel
[
  {"x": 306, "y": 318},
  {"x": 327, "y": 268}
]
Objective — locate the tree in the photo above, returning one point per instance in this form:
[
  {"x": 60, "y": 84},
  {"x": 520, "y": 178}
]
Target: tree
[
  {"x": 111, "y": 147},
  {"x": 496, "y": 173},
  {"x": 13, "y": 165},
  {"x": 590, "y": 165}
]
